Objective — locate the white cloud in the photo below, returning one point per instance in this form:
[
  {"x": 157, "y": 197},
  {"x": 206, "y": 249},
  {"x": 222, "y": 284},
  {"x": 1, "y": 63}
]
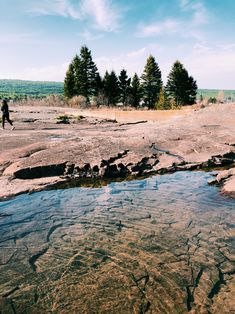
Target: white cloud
[
  {"x": 200, "y": 15},
  {"x": 187, "y": 27},
  {"x": 57, "y": 7},
  {"x": 103, "y": 14},
  {"x": 169, "y": 26}
]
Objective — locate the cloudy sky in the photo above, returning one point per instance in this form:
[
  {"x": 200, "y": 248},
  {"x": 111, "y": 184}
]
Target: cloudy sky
[{"x": 38, "y": 38}]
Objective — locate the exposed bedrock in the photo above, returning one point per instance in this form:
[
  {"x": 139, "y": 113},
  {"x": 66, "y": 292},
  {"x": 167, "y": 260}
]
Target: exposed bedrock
[{"x": 41, "y": 154}]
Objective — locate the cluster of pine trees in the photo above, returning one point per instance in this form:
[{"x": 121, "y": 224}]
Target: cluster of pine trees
[{"x": 83, "y": 78}]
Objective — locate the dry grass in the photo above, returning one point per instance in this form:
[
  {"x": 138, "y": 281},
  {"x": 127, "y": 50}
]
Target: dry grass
[
  {"x": 135, "y": 115},
  {"x": 125, "y": 114}
]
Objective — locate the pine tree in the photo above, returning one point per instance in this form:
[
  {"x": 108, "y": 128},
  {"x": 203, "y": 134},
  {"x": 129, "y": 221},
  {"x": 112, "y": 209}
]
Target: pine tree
[
  {"x": 77, "y": 73},
  {"x": 163, "y": 103},
  {"x": 135, "y": 91},
  {"x": 86, "y": 75},
  {"x": 180, "y": 86},
  {"x": 124, "y": 86},
  {"x": 111, "y": 89},
  {"x": 160, "y": 104},
  {"x": 151, "y": 82},
  {"x": 69, "y": 82},
  {"x": 98, "y": 84}
]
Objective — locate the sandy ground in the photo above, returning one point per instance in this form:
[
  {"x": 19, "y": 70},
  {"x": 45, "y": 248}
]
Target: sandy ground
[{"x": 111, "y": 143}]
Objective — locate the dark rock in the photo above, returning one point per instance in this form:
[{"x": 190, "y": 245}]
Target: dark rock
[
  {"x": 111, "y": 171},
  {"x": 104, "y": 163},
  {"x": 69, "y": 169},
  {"x": 41, "y": 171},
  {"x": 95, "y": 169}
]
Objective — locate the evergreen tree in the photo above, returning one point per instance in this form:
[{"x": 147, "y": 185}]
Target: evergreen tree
[
  {"x": 151, "y": 82},
  {"x": 88, "y": 73},
  {"x": 163, "y": 103},
  {"x": 135, "y": 91},
  {"x": 76, "y": 62},
  {"x": 69, "y": 82},
  {"x": 124, "y": 86},
  {"x": 180, "y": 86},
  {"x": 86, "y": 76},
  {"x": 160, "y": 104},
  {"x": 98, "y": 84},
  {"x": 111, "y": 89}
]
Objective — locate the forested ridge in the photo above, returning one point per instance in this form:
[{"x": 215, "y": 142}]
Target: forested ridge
[{"x": 20, "y": 89}]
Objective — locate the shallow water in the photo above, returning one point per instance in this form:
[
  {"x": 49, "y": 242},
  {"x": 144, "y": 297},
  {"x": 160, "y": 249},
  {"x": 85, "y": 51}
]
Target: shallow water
[{"x": 162, "y": 244}]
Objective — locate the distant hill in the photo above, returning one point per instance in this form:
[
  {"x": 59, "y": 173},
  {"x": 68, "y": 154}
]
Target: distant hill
[
  {"x": 229, "y": 95},
  {"x": 18, "y": 89}
]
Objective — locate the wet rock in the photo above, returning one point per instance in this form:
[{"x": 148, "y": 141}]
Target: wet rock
[
  {"x": 111, "y": 171},
  {"x": 145, "y": 165},
  {"x": 95, "y": 169},
  {"x": 69, "y": 169}
]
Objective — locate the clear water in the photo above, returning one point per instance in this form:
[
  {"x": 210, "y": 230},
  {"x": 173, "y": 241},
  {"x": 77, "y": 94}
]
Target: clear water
[{"x": 175, "y": 218}]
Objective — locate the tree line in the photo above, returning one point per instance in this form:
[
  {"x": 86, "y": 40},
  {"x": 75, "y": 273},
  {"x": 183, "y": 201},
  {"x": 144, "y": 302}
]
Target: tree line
[{"x": 83, "y": 78}]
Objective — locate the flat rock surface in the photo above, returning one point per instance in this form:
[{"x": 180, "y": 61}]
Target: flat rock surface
[{"x": 40, "y": 148}]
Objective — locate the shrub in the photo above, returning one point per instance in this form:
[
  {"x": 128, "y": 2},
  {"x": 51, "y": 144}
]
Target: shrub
[
  {"x": 63, "y": 119},
  {"x": 78, "y": 102},
  {"x": 212, "y": 100},
  {"x": 50, "y": 101},
  {"x": 80, "y": 117}
]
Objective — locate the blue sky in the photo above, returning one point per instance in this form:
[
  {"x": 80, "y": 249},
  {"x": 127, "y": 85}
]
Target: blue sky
[{"x": 38, "y": 39}]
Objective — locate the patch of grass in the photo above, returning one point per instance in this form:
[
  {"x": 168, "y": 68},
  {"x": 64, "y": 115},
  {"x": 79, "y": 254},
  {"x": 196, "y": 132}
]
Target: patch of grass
[
  {"x": 80, "y": 117},
  {"x": 63, "y": 119}
]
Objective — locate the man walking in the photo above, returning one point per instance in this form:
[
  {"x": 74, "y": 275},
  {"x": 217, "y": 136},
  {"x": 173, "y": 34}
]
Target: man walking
[{"x": 5, "y": 114}]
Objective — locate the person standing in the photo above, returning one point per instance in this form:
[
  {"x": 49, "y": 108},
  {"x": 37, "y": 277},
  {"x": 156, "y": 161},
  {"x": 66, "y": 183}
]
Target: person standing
[{"x": 5, "y": 114}]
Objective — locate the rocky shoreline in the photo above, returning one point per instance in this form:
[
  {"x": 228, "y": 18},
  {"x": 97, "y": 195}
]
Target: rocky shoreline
[{"x": 42, "y": 154}]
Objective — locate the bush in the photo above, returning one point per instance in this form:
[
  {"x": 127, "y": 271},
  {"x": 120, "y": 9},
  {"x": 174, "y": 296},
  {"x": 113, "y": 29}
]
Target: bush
[
  {"x": 50, "y": 101},
  {"x": 212, "y": 100},
  {"x": 80, "y": 117},
  {"x": 78, "y": 102}
]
